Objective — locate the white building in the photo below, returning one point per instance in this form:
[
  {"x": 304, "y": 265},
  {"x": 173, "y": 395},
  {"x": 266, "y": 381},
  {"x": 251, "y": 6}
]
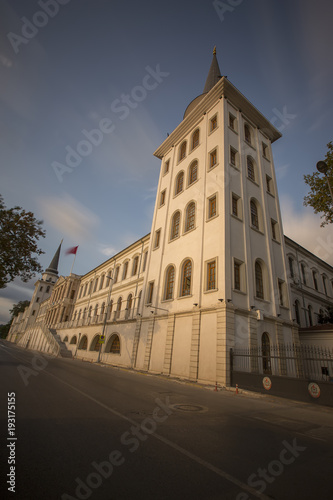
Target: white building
[{"x": 216, "y": 271}]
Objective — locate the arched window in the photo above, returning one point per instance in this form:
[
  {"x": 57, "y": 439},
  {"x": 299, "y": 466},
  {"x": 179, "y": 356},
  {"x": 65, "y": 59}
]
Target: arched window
[
  {"x": 190, "y": 217},
  {"x": 310, "y": 315},
  {"x": 95, "y": 310},
  {"x": 84, "y": 312},
  {"x": 95, "y": 345},
  {"x": 116, "y": 274},
  {"x": 79, "y": 316},
  {"x": 186, "y": 278},
  {"x": 129, "y": 301},
  {"x": 254, "y": 214},
  {"x": 114, "y": 344},
  {"x": 135, "y": 265},
  {"x": 66, "y": 339},
  {"x": 259, "y": 281},
  {"x": 73, "y": 340},
  {"x": 193, "y": 173},
  {"x": 145, "y": 261},
  {"x": 119, "y": 301},
  {"x": 102, "y": 281},
  {"x": 250, "y": 169},
  {"x": 109, "y": 309},
  {"x": 266, "y": 353},
  {"x": 95, "y": 285},
  {"x": 169, "y": 283},
  {"x": 297, "y": 312},
  {"x": 85, "y": 289},
  {"x": 179, "y": 183},
  {"x": 291, "y": 266},
  {"x": 324, "y": 284},
  {"x": 195, "y": 139},
  {"x": 129, "y": 305},
  {"x": 303, "y": 274},
  {"x": 102, "y": 309},
  {"x": 247, "y": 133},
  {"x": 175, "y": 226},
  {"x": 125, "y": 270},
  {"x": 90, "y": 287},
  {"x": 139, "y": 300},
  {"x": 90, "y": 311},
  {"x": 83, "y": 343},
  {"x": 182, "y": 151}
]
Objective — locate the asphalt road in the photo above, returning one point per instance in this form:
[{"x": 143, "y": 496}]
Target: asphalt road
[{"x": 89, "y": 431}]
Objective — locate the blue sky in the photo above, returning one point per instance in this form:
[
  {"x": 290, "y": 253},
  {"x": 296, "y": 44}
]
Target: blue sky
[{"x": 69, "y": 74}]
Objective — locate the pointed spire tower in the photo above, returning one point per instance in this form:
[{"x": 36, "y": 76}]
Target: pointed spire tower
[
  {"x": 52, "y": 270},
  {"x": 214, "y": 74}
]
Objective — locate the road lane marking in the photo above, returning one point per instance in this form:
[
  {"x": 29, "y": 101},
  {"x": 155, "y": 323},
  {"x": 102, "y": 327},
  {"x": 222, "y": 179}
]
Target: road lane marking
[{"x": 171, "y": 444}]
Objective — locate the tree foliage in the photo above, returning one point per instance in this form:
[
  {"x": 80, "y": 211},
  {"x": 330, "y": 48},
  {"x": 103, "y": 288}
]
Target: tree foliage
[
  {"x": 19, "y": 307},
  {"x": 4, "y": 329},
  {"x": 326, "y": 317},
  {"x": 19, "y": 233},
  {"x": 319, "y": 197}
]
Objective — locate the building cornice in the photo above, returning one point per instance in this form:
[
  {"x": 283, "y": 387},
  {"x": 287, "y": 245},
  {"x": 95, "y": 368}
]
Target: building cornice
[{"x": 224, "y": 88}]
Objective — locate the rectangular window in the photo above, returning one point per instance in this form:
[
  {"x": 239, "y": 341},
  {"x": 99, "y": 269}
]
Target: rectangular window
[
  {"x": 265, "y": 150},
  {"x": 166, "y": 167},
  {"x": 281, "y": 298},
  {"x": 235, "y": 205},
  {"x": 213, "y": 158},
  {"x": 213, "y": 123},
  {"x": 232, "y": 121},
  {"x": 162, "y": 198},
  {"x": 237, "y": 280},
  {"x": 211, "y": 275},
  {"x": 233, "y": 154},
  {"x": 268, "y": 184},
  {"x": 157, "y": 238},
  {"x": 212, "y": 207},
  {"x": 314, "y": 274},
  {"x": 273, "y": 225},
  {"x": 150, "y": 292}
]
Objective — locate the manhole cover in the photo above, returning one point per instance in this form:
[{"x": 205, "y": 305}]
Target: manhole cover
[{"x": 189, "y": 407}]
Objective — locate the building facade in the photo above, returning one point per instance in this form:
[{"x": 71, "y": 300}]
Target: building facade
[{"x": 216, "y": 271}]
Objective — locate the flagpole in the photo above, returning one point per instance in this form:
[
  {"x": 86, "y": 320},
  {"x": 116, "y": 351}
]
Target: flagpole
[{"x": 73, "y": 263}]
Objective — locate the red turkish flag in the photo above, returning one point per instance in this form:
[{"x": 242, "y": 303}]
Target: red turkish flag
[{"x": 72, "y": 250}]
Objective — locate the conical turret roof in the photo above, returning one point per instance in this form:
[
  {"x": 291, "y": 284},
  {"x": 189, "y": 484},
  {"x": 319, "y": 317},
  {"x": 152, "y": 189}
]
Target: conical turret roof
[
  {"x": 53, "y": 267},
  {"x": 214, "y": 74}
]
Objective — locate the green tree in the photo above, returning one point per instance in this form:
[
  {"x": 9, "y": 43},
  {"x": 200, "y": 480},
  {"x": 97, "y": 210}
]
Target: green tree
[
  {"x": 19, "y": 233},
  {"x": 19, "y": 307},
  {"x": 319, "y": 197},
  {"x": 326, "y": 317},
  {"x": 4, "y": 329}
]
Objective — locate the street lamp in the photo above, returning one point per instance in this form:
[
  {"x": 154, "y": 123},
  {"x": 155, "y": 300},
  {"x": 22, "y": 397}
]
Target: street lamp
[
  {"x": 323, "y": 168},
  {"x": 106, "y": 311}
]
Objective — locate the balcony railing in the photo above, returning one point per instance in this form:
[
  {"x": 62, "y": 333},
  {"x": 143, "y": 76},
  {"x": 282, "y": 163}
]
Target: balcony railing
[{"x": 114, "y": 317}]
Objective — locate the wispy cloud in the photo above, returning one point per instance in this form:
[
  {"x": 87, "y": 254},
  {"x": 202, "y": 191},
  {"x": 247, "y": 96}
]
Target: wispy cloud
[
  {"x": 69, "y": 217},
  {"x": 304, "y": 228},
  {"x": 107, "y": 250}
]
